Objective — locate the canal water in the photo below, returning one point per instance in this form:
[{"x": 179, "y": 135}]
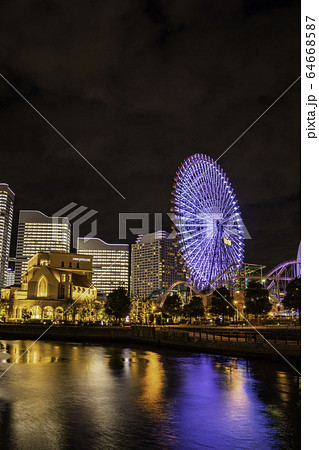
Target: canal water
[{"x": 83, "y": 396}]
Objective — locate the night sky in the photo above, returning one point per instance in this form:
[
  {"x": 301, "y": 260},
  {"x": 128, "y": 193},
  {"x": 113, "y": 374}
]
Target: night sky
[{"x": 138, "y": 86}]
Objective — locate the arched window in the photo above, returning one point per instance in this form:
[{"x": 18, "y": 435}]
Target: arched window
[{"x": 43, "y": 287}]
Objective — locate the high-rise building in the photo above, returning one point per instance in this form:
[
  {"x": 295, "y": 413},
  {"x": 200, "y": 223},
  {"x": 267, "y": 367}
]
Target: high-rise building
[
  {"x": 155, "y": 264},
  {"x": 11, "y": 271},
  {"x": 110, "y": 263},
  {"x": 39, "y": 233},
  {"x": 6, "y": 217},
  {"x": 10, "y": 276}
]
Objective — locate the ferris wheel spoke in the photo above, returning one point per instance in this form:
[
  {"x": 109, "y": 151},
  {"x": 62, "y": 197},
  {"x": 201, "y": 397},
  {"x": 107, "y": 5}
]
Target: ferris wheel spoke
[
  {"x": 208, "y": 245},
  {"x": 195, "y": 247},
  {"x": 192, "y": 234}
]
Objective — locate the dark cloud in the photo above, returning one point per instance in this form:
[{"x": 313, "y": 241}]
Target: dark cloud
[{"x": 139, "y": 86}]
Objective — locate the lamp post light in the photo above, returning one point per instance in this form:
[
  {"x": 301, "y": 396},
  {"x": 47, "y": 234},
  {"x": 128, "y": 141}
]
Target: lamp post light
[
  {"x": 153, "y": 314},
  {"x": 235, "y": 303}
]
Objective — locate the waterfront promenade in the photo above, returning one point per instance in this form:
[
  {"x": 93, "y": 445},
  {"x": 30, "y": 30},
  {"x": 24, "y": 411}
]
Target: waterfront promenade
[{"x": 219, "y": 340}]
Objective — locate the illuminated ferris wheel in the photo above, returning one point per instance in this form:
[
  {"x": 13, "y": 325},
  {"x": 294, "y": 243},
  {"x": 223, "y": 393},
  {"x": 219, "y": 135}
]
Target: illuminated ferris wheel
[{"x": 207, "y": 221}]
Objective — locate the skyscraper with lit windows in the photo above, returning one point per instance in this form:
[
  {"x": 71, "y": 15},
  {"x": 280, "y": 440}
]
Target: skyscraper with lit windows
[
  {"x": 110, "y": 263},
  {"x": 155, "y": 264},
  {"x": 6, "y": 217},
  {"x": 39, "y": 233}
]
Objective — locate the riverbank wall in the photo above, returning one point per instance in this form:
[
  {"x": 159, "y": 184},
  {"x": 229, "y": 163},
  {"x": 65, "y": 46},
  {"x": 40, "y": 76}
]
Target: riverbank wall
[{"x": 239, "y": 343}]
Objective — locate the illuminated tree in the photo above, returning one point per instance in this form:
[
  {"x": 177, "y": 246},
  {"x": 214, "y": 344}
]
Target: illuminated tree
[
  {"x": 221, "y": 303},
  {"x": 25, "y": 314},
  {"x": 194, "y": 309},
  {"x": 172, "y": 306},
  {"x": 2, "y": 310},
  {"x": 257, "y": 299},
  {"x": 118, "y": 304},
  {"x": 141, "y": 310},
  {"x": 292, "y": 299},
  {"x": 83, "y": 310},
  {"x": 135, "y": 309},
  {"x": 69, "y": 310},
  {"x": 99, "y": 311}
]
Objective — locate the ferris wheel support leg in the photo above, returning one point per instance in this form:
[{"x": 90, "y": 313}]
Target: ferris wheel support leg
[{"x": 204, "y": 300}]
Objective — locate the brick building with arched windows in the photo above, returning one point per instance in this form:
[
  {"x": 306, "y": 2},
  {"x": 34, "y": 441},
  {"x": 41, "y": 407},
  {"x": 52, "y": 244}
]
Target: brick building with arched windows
[{"x": 52, "y": 281}]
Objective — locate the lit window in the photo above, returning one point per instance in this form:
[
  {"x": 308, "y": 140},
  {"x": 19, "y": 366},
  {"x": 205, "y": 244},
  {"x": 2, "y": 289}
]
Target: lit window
[{"x": 43, "y": 287}]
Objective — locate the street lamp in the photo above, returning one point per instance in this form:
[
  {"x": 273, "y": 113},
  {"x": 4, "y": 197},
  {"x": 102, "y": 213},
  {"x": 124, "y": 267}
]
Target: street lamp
[{"x": 235, "y": 303}]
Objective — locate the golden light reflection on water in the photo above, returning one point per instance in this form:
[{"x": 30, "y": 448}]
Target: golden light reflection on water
[
  {"x": 152, "y": 394},
  {"x": 283, "y": 386},
  {"x": 43, "y": 389},
  {"x": 32, "y": 396},
  {"x": 21, "y": 352},
  {"x": 147, "y": 371}
]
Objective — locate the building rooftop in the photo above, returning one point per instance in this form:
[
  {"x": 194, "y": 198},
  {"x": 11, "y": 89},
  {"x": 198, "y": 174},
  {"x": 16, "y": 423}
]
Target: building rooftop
[
  {"x": 150, "y": 237},
  {"x": 5, "y": 186},
  {"x": 98, "y": 244},
  {"x": 26, "y": 216}
]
